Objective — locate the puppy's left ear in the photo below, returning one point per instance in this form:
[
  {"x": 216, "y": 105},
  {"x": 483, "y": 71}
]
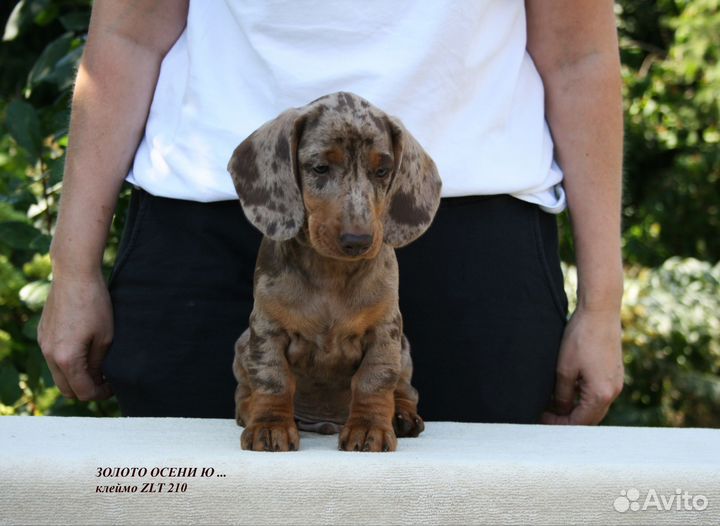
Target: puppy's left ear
[
  {"x": 264, "y": 170},
  {"x": 415, "y": 189}
]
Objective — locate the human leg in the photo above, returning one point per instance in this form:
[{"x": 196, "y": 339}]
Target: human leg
[{"x": 484, "y": 309}]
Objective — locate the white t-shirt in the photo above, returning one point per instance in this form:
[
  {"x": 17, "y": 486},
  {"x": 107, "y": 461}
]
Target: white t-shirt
[{"x": 456, "y": 72}]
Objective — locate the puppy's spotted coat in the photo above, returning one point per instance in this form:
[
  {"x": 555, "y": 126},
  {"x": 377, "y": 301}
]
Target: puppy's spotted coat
[{"x": 334, "y": 187}]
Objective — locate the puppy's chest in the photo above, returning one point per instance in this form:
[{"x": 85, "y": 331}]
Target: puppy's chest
[
  {"x": 328, "y": 337},
  {"x": 327, "y": 330},
  {"x": 331, "y": 354}
]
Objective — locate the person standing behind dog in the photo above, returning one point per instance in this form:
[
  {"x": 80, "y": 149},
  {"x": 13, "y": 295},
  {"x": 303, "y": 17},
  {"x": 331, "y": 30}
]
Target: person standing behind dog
[{"x": 164, "y": 87}]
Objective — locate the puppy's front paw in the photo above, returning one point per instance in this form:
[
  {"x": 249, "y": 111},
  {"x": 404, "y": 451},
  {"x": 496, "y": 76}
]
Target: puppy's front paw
[
  {"x": 407, "y": 423},
  {"x": 363, "y": 435},
  {"x": 276, "y": 436}
]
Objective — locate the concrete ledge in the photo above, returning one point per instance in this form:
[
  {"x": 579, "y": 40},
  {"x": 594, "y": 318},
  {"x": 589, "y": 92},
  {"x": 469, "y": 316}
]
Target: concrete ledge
[{"x": 452, "y": 474}]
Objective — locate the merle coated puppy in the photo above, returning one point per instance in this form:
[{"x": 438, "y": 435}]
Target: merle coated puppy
[{"x": 335, "y": 187}]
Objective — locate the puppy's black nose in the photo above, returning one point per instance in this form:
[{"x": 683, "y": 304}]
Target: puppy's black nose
[{"x": 354, "y": 245}]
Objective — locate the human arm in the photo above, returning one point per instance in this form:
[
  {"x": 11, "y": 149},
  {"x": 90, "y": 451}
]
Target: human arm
[
  {"x": 574, "y": 46},
  {"x": 113, "y": 91}
]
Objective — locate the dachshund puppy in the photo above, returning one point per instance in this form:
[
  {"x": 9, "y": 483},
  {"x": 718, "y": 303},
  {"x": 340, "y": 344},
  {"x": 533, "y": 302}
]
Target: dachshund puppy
[{"x": 335, "y": 187}]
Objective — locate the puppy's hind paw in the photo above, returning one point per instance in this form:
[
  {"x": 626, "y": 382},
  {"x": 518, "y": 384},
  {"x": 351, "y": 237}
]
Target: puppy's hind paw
[{"x": 407, "y": 424}]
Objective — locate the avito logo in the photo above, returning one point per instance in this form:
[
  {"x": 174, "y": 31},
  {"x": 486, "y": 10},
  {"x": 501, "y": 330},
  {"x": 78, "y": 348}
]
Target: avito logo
[{"x": 678, "y": 501}]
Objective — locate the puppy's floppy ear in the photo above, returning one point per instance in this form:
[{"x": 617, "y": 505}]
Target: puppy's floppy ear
[
  {"x": 414, "y": 194},
  {"x": 264, "y": 170}
]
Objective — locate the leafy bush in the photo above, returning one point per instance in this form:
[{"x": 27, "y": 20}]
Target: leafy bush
[
  {"x": 671, "y": 342},
  {"x": 671, "y": 71},
  {"x": 42, "y": 43}
]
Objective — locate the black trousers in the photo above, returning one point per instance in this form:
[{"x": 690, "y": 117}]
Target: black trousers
[{"x": 481, "y": 295}]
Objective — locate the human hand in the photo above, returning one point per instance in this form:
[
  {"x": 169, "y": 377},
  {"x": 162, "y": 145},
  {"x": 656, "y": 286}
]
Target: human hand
[
  {"x": 74, "y": 333},
  {"x": 589, "y": 370}
]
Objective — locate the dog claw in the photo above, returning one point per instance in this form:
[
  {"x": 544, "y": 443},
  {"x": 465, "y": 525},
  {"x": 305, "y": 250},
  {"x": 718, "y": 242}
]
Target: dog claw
[{"x": 276, "y": 438}]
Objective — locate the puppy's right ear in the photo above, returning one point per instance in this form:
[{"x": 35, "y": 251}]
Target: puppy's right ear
[{"x": 264, "y": 170}]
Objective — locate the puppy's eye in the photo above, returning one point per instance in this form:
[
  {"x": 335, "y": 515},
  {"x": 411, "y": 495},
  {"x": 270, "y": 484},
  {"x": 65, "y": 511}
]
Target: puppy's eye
[
  {"x": 382, "y": 173},
  {"x": 321, "y": 169}
]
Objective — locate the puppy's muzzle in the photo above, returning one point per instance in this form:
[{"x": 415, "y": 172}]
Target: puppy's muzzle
[{"x": 355, "y": 244}]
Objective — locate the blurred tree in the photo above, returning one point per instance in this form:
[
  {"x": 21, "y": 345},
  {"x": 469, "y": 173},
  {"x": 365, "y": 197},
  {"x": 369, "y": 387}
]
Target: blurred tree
[
  {"x": 670, "y": 52},
  {"x": 41, "y": 46}
]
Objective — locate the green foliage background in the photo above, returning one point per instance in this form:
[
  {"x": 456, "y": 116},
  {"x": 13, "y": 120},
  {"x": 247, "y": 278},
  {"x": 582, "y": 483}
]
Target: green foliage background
[{"x": 670, "y": 51}]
